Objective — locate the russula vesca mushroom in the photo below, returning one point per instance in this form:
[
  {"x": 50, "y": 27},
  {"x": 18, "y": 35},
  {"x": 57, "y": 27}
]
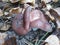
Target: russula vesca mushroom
[
  {"x": 39, "y": 21},
  {"x": 22, "y": 23}
]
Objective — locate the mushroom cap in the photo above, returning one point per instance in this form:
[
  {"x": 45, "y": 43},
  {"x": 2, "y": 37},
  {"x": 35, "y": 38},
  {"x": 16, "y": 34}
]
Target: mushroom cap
[
  {"x": 39, "y": 21},
  {"x": 18, "y": 25}
]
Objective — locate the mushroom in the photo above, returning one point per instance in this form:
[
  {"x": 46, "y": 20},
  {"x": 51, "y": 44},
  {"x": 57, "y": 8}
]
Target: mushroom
[
  {"x": 39, "y": 21},
  {"x": 22, "y": 23},
  {"x": 32, "y": 2}
]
